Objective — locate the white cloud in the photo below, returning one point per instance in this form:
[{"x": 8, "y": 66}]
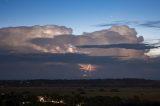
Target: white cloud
[
  {"x": 59, "y": 39},
  {"x": 16, "y": 38}
]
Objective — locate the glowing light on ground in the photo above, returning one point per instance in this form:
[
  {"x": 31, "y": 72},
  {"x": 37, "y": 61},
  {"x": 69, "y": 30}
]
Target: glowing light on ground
[{"x": 46, "y": 99}]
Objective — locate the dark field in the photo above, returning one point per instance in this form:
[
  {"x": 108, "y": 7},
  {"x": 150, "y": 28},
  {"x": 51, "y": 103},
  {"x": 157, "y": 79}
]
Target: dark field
[
  {"x": 119, "y": 92},
  {"x": 144, "y": 93}
]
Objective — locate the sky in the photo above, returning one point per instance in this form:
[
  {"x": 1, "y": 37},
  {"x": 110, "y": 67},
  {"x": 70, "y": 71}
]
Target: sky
[
  {"x": 81, "y": 15},
  {"x": 79, "y": 39}
]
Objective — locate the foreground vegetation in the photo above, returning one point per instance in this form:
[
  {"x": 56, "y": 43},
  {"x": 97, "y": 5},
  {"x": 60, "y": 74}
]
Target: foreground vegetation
[{"x": 82, "y": 93}]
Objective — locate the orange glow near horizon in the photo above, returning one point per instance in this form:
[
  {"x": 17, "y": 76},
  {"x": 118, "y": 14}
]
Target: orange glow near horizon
[{"x": 87, "y": 67}]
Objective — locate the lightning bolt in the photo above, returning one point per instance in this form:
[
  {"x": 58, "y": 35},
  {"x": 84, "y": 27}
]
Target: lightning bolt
[{"x": 87, "y": 67}]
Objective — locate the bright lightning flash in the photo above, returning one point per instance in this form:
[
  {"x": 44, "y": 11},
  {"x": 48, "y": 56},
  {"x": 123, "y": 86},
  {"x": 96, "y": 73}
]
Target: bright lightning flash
[{"x": 87, "y": 67}]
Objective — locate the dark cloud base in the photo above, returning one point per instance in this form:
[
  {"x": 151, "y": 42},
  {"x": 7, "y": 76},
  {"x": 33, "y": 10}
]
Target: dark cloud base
[
  {"x": 65, "y": 66},
  {"x": 57, "y": 57},
  {"x": 125, "y": 46}
]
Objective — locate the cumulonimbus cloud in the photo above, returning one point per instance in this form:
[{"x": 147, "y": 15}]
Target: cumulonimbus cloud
[
  {"x": 59, "y": 39},
  {"x": 16, "y": 38},
  {"x": 114, "y": 35},
  {"x": 53, "y": 52}
]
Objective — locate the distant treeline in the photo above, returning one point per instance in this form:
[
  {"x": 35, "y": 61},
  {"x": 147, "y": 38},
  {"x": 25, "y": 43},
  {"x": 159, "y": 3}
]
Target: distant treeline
[{"x": 82, "y": 83}]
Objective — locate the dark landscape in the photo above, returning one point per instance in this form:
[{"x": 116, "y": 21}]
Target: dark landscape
[{"x": 95, "y": 92}]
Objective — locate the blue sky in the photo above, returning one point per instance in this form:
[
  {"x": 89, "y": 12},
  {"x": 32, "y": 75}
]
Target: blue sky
[{"x": 81, "y": 15}]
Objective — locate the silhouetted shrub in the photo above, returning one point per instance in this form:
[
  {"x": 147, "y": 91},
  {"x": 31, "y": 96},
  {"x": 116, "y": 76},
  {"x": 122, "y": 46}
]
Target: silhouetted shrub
[
  {"x": 101, "y": 90},
  {"x": 81, "y": 91},
  {"x": 114, "y": 90}
]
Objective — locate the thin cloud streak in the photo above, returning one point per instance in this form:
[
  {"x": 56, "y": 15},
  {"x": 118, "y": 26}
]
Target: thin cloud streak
[
  {"x": 126, "y": 46},
  {"x": 149, "y": 24}
]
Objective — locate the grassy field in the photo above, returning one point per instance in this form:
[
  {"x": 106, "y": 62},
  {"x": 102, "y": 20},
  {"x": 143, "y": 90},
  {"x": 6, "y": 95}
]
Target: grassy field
[
  {"x": 143, "y": 93},
  {"x": 97, "y": 92}
]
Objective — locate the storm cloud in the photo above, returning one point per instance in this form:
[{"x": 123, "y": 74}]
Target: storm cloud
[
  {"x": 16, "y": 38},
  {"x": 59, "y": 39},
  {"x": 58, "y": 66},
  {"x": 54, "y": 52},
  {"x": 114, "y": 35}
]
